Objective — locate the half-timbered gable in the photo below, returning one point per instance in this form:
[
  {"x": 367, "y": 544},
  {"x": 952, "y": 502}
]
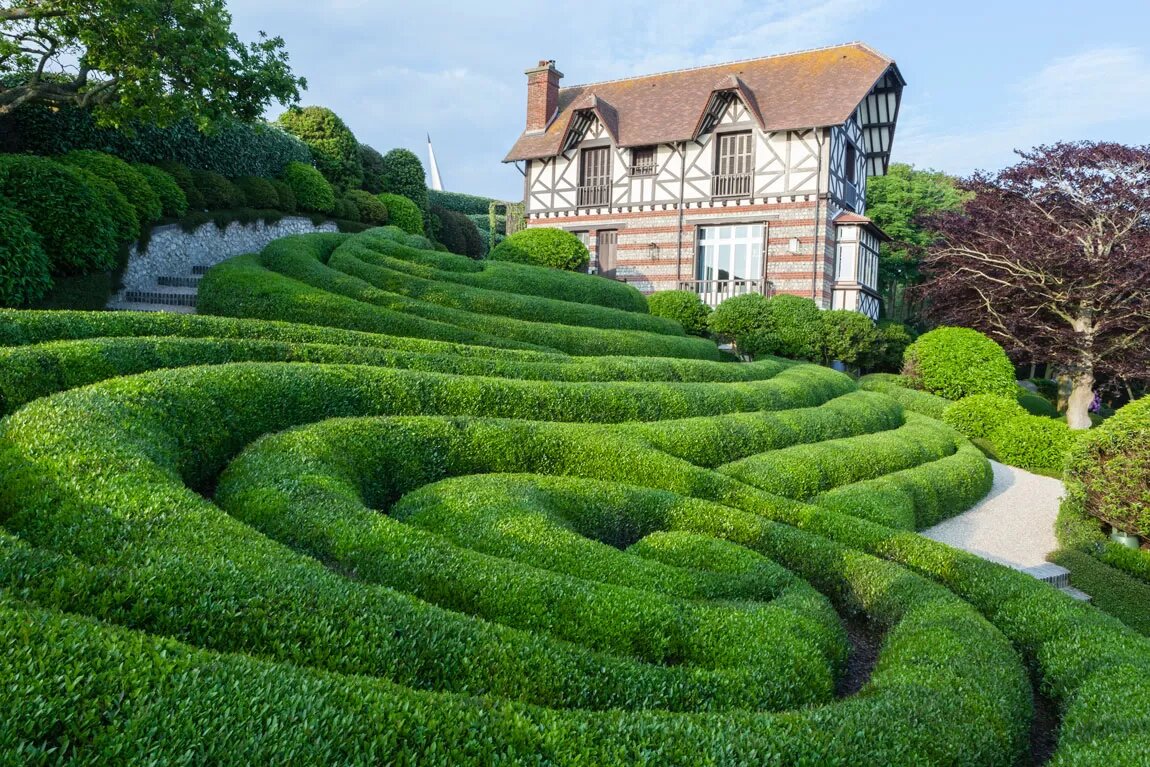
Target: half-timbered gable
[{"x": 719, "y": 179}]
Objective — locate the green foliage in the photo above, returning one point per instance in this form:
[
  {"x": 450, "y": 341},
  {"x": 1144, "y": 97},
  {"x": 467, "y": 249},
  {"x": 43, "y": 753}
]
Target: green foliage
[
  {"x": 785, "y": 326},
  {"x": 1032, "y": 442},
  {"x": 846, "y": 336},
  {"x": 1036, "y": 405},
  {"x": 313, "y": 193},
  {"x": 981, "y": 414},
  {"x": 258, "y": 192},
  {"x": 346, "y": 209},
  {"x": 682, "y": 306},
  {"x": 898, "y": 388},
  {"x": 402, "y": 212},
  {"x": 468, "y": 204},
  {"x": 371, "y": 208},
  {"x": 372, "y": 162},
  {"x": 24, "y": 266},
  {"x": 187, "y": 183},
  {"x": 1111, "y": 466},
  {"x": 285, "y": 195},
  {"x": 121, "y": 214},
  {"x": 543, "y": 246},
  {"x": 217, "y": 192},
  {"x": 333, "y": 146},
  {"x": 403, "y": 175},
  {"x": 72, "y": 220},
  {"x": 958, "y": 362},
  {"x": 741, "y": 318},
  {"x": 131, "y": 183},
  {"x": 458, "y": 233},
  {"x": 886, "y": 355},
  {"x": 173, "y": 201},
  {"x": 1110, "y": 589}
]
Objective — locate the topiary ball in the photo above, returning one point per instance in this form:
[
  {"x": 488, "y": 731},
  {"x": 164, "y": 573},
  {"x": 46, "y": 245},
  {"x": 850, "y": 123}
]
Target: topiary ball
[
  {"x": 313, "y": 193},
  {"x": 543, "y": 246},
  {"x": 131, "y": 183},
  {"x": 1110, "y": 466},
  {"x": 123, "y": 216},
  {"x": 980, "y": 414},
  {"x": 186, "y": 181},
  {"x": 333, "y": 146},
  {"x": 958, "y": 362},
  {"x": 218, "y": 193},
  {"x": 371, "y": 208},
  {"x": 258, "y": 192},
  {"x": 173, "y": 201},
  {"x": 684, "y": 306},
  {"x": 403, "y": 213},
  {"x": 24, "y": 266},
  {"x": 286, "y": 201}
]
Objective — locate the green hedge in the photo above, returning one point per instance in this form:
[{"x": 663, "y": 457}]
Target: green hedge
[
  {"x": 371, "y": 208},
  {"x": 333, "y": 146},
  {"x": 683, "y": 306},
  {"x": 403, "y": 213},
  {"x": 1032, "y": 442},
  {"x": 468, "y": 204},
  {"x": 216, "y": 191},
  {"x": 131, "y": 183},
  {"x": 978, "y": 415},
  {"x": 173, "y": 200},
  {"x": 121, "y": 214},
  {"x": 543, "y": 246},
  {"x": 1111, "y": 465},
  {"x": 896, "y": 387},
  {"x": 258, "y": 192},
  {"x": 24, "y": 266},
  {"x": 187, "y": 183},
  {"x": 312, "y": 192},
  {"x": 958, "y": 362}
]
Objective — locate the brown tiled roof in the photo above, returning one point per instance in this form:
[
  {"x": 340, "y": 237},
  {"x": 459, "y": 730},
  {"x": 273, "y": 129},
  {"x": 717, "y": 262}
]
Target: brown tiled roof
[
  {"x": 848, "y": 217},
  {"x": 789, "y": 91}
]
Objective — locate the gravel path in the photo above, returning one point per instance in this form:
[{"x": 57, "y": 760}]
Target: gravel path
[{"x": 1012, "y": 525}]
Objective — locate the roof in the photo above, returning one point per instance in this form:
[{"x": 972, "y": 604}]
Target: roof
[
  {"x": 848, "y": 217},
  {"x": 785, "y": 92}
]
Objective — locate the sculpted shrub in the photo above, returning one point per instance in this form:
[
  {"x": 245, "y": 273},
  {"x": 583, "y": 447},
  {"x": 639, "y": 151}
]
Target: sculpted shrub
[
  {"x": 173, "y": 201},
  {"x": 1111, "y": 465},
  {"x": 313, "y": 194},
  {"x": 543, "y": 246},
  {"x": 24, "y": 276},
  {"x": 958, "y": 362},
  {"x": 981, "y": 414},
  {"x": 683, "y": 306}
]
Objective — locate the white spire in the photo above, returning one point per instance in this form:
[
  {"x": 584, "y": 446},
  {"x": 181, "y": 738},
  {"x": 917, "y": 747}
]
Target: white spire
[{"x": 436, "y": 181}]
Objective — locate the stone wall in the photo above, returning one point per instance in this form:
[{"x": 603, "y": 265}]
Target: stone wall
[{"x": 172, "y": 251}]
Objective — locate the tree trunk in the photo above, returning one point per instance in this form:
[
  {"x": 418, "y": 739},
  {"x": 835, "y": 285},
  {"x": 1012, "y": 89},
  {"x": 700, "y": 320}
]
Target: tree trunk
[{"x": 1081, "y": 396}]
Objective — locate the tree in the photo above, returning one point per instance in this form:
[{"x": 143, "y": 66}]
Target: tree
[
  {"x": 151, "y": 60},
  {"x": 372, "y": 162},
  {"x": 332, "y": 144},
  {"x": 897, "y": 202},
  {"x": 403, "y": 174},
  {"x": 1050, "y": 259}
]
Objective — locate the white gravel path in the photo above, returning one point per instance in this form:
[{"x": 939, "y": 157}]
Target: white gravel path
[{"x": 1012, "y": 525}]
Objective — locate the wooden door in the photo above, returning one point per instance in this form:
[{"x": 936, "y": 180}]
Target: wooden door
[{"x": 605, "y": 242}]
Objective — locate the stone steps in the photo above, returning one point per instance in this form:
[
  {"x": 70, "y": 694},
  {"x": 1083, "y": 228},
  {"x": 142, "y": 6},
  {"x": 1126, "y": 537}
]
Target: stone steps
[
  {"x": 172, "y": 293},
  {"x": 182, "y": 281},
  {"x": 1058, "y": 577},
  {"x": 162, "y": 295}
]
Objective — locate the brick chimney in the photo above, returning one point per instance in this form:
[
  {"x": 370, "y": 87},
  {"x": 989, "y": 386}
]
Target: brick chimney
[{"x": 542, "y": 95}]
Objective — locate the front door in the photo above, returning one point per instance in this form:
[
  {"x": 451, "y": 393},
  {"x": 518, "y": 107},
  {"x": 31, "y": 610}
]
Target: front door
[{"x": 605, "y": 242}]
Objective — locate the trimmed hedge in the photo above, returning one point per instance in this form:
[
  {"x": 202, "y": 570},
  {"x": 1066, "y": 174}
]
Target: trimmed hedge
[
  {"x": 468, "y": 204},
  {"x": 312, "y": 192},
  {"x": 285, "y": 195},
  {"x": 1032, "y": 442},
  {"x": 402, "y": 174},
  {"x": 333, "y": 146},
  {"x": 371, "y": 208},
  {"x": 981, "y": 414},
  {"x": 1111, "y": 465},
  {"x": 24, "y": 266},
  {"x": 896, "y": 387},
  {"x": 258, "y": 192},
  {"x": 683, "y": 306},
  {"x": 216, "y": 191},
  {"x": 543, "y": 246},
  {"x": 131, "y": 183},
  {"x": 187, "y": 183},
  {"x": 402, "y": 212},
  {"x": 173, "y": 200},
  {"x": 121, "y": 214},
  {"x": 958, "y": 362}
]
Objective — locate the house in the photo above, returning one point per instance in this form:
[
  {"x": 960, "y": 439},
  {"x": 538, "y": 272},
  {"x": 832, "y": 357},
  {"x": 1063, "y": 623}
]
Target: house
[{"x": 748, "y": 176}]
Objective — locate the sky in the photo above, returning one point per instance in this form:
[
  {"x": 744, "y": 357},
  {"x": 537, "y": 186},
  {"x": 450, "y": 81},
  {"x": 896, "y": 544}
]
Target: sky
[{"x": 984, "y": 77}]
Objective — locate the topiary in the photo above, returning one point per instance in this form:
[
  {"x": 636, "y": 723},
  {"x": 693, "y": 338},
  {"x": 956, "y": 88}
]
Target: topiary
[
  {"x": 446, "y": 230},
  {"x": 313, "y": 193},
  {"x": 402, "y": 212},
  {"x": 740, "y": 319},
  {"x": 543, "y": 246},
  {"x": 333, "y": 146},
  {"x": 1036, "y": 404},
  {"x": 978, "y": 415},
  {"x": 891, "y": 340},
  {"x": 287, "y": 202},
  {"x": 24, "y": 266},
  {"x": 684, "y": 306},
  {"x": 74, "y": 224},
  {"x": 372, "y": 162},
  {"x": 371, "y": 209},
  {"x": 846, "y": 336},
  {"x": 125, "y": 224},
  {"x": 258, "y": 192},
  {"x": 403, "y": 174},
  {"x": 218, "y": 193},
  {"x": 173, "y": 200},
  {"x": 131, "y": 183},
  {"x": 1033, "y": 442},
  {"x": 958, "y": 362},
  {"x": 1110, "y": 468},
  {"x": 187, "y": 183},
  {"x": 474, "y": 242},
  {"x": 346, "y": 210}
]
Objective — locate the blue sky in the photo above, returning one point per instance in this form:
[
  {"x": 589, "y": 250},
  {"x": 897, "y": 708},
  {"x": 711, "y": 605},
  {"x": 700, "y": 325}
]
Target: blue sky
[{"x": 984, "y": 77}]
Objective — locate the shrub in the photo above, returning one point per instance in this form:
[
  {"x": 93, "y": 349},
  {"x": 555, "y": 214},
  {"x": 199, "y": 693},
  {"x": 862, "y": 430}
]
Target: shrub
[
  {"x": 402, "y": 212},
  {"x": 403, "y": 175},
  {"x": 125, "y": 224},
  {"x": 474, "y": 242},
  {"x": 958, "y": 362},
  {"x": 24, "y": 266},
  {"x": 218, "y": 193},
  {"x": 1111, "y": 466},
  {"x": 131, "y": 183},
  {"x": 785, "y": 326},
  {"x": 187, "y": 183},
  {"x": 468, "y": 204},
  {"x": 684, "y": 306},
  {"x": 372, "y": 162},
  {"x": 1035, "y": 404},
  {"x": 740, "y": 319},
  {"x": 74, "y": 224},
  {"x": 445, "y": 229},
  {"x": 978, "y": 415},
  {"x": 1032, "y": 442},
  {"x": 313, "y": 194},
  {"x": 543, "y": 246},
  {"x": 173, "y": 201},
  {"x": 285, "y": 196},
  {"x": 332, "y": 144},
  {"x": 258, "y": 192},
  {"x": 846, "y": 336},
  {"x": 891, "y": 341},
  {"x": 346, "y": 209},
  {"x": 897, "y": 388},
  {"x": 371, "y": 209}
]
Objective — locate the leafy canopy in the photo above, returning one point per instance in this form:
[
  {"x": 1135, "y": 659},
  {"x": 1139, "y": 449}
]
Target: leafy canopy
[{"x": 332, "y": 144}]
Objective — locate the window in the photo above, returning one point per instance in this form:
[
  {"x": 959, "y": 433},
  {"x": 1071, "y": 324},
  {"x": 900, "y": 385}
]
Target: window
[
  {"x": 729, "y": 261},
  {"x": 851, "y": 163},
  {"x": 733, "y": 167},
  {"x": 643, "y": 161},
  {"x": 595, "y": 176}
]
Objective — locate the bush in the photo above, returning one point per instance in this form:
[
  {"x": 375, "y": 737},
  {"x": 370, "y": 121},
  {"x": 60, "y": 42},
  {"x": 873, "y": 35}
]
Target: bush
[
  {"x": 131, "y": 183},
  {"x": 890, "y": 345},
  {"x": 1036, "y": 405},
  {"x": 24, "y": 266},
  {"x": 258, "y": 192},
  {"x": 958, "y": 362},
  {"x": 371, "y": 209},
  {"x": 784, "y": 326},
  {"x": 333, "y": 146},
  {"x": 187, "y": 183},
  {"x": 74, "y": 224},
  {"x": 346, "y": 209},
  {"x": 372, "y": 162},
  {"x": 285, "y": 196},
  {"x": 740, "y": 319},
  {"x": 543, "y": 246},
  {"x": 474, "y": 242},
  {"x": 313, "y": 194},
  {"x": 125, "y": 224},
  {"x": 217, "y": 192},
  {"x": 173, "y": 201},
  {"x": 1111, "y": 467},
  {"x": 402, "y": 212},
  {"x": 978, "y": 415},
  {"x": 846, "y": 336},
  {"x": 468, "y": 204},
  {"x": 403, "y": 175},
  {"x": 1033, "y": 443},
  {"x": 897, "y": 388},
  {"x": 445, "y": 229},
  {"x": 683, "y": 306}
]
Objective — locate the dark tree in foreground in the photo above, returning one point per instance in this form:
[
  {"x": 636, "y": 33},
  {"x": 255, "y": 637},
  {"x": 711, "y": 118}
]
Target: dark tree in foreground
[
  {"x": 1052, "y": 258},
  {"x": 152, "y": 60}
]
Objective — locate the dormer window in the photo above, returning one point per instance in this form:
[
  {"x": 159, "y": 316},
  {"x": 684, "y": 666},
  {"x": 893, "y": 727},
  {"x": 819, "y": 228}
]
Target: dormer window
[{"x": 643, "y": 161}]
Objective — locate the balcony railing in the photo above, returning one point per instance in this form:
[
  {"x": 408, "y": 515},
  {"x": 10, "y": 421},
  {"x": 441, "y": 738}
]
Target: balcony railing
[
  {"x": 598, "y": 196},
  {"x": 714, "y": 292},
  {"x": 731, "y": 185}
]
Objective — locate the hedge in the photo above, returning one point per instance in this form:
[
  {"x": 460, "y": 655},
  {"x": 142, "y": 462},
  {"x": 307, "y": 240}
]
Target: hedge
[
  {"x": 468, "y": 204},
  {"x": 371, "y": 208},
  {"x": 543, "y": 246},
  {"x": 402, "y": 212},
  {"x": 333, "y": 146},
  {"x": 258, "y": 192},
  {"x": 24, "y": 266},
  {"x": 896, "y": 387},
  {"x": 121, "y": 215},
  {"x": 173, "y": 200},
  {"x": 312, "y": 192},
  {"x": 131, "y": 183},
  {"x": 1033, "y": 442},
  {"x": 216, "y": 191},
  {"x": 978, "y": 415},
  {"x": 683, "y": 306},
  {"x": 958, "y": 362},
  {"x": 187, "y": 183},
  {"x": 1111, "y": 466},
  {"x": 402, "y": 174}
]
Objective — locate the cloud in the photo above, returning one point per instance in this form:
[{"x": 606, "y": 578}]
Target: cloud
[{"x": 1089, "y": 95}]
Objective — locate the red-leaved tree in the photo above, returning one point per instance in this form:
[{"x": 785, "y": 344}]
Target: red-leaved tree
[{"x": 1052, "y": 258}]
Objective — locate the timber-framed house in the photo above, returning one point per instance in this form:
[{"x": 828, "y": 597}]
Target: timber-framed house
[{"x": 726, "y": 179}]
